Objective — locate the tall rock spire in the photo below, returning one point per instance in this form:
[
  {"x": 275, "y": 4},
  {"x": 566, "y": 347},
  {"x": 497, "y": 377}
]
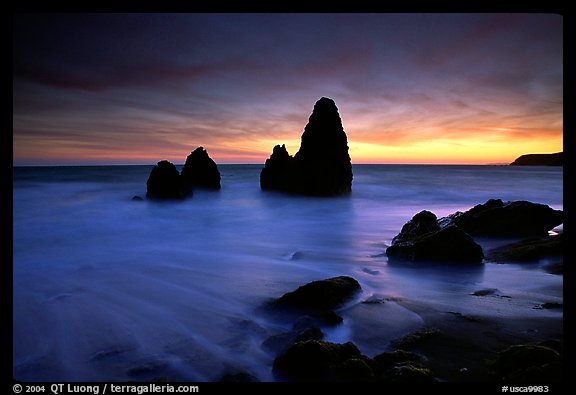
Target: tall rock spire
[{"x": 321, "y": 166}]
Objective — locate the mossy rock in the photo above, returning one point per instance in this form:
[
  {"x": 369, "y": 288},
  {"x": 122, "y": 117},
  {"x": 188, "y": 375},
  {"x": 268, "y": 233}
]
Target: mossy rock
[
  {"x": 314, "y": 360},
  {"x": 528, "y": 250},
  {"x": 530, "y": 362},
  {"x": 387, "y": 360},
  {"x": 321, "y": 295},
  {"x": 416, "y": 339},
  {"x": 408, "y": 372},
  {"x": 355, "y": 369}
]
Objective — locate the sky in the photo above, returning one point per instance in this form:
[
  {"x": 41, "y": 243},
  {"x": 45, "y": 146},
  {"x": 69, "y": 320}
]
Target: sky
[{"x": 410, "y": 88}]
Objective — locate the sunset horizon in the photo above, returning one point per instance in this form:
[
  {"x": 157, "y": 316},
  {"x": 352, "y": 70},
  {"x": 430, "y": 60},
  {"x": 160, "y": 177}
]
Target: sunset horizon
[{"x": 410, "y": 88}]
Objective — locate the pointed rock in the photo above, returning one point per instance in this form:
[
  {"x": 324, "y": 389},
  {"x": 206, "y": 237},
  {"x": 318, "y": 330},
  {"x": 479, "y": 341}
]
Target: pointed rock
[
  {"x": 322, "y": 166},
  {"x": 277, "y": 170}
]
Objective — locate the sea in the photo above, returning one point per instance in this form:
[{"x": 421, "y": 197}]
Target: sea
[{"x": 109, "y": 288}]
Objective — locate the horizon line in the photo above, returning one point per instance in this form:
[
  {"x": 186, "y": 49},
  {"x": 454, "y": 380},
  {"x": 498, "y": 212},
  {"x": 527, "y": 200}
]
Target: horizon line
[{"x": 262, "y": 164}]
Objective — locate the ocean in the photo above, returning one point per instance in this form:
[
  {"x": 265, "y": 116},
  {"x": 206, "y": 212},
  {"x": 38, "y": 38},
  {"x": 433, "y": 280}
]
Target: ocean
[{"x": 106, "y": 288}]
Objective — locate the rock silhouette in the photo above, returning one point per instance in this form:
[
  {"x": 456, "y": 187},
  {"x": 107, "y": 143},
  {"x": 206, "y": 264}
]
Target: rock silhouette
[
  {"x": 422, "y": 239},
  {"x": 506, "y": 219},
  {"x": 448, "y": 239},
  {"x": 164, "y": 182},
  {"x": 556, "y": 159},
  {"x": 200, "y": 171},
  {"x": 322, "y": 166},
  {"x": 277, "y": 172},
  {"x": 321, "y": 295},
  {"x": 422, "y": 223}
]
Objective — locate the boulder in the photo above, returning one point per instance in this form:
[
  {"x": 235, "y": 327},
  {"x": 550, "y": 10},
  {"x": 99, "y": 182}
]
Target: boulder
[
  {"x": 315, "y": 361},
  {"x": 320, "y": 295},
  {"x": 164, "y": 182},
  {"x": 321, "y": 361},
  {"x": 200, "y": 171},
  {"x": 422, "y": 223},
  {"x": 529, "y": 363},
  {"x": 422, "y": 239},
  {"x": 281, "y": 342},
  {"x": 506, "y": 219},
  {"x": 322, "y": 165},
  {"x": 528, "y": 250}
]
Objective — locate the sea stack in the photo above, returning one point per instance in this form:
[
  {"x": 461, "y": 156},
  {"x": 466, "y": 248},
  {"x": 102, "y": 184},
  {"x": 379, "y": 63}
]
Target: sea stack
[
  {"x": 200, "y": 171},
  {"x": 164, "y": 182},
  {"x": 322, "y": 166}
]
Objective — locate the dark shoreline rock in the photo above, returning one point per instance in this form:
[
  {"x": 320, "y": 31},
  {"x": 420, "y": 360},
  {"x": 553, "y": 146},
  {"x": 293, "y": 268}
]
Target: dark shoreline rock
[
  {"x": 448, "y": 239},
  {"x": 535, "y": 362},
  {"x": 556, "y": 159},
  {"x": 320, "y": 295},
  {"x": 506, "y": 219},
  {"x": 528, "y": 250},
  {"x": 422, "y": 239},
  {"x": 319, "y": 361},
  {"x": 322, "y": 165},
  {"x": 315, "y": 361}
]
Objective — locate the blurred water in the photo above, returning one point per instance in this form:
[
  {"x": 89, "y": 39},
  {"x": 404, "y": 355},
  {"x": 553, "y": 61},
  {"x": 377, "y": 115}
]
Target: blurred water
[{"x": 106, "y": 288}]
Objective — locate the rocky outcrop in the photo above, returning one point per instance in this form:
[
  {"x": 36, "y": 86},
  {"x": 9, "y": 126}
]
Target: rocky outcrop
[
  {"x": 320, "y": 295},
  {"x": 528, "y": 250},
  {"x": 314, "y": 360},
  {"x": 556, "y": 159},
  {"x": 320, "y": 361},
  {"x": 421, "y": 224},
  {"x": 277, "y": 172},
  {"x": 530, "y": 363},
  {"x": 448, "y": 239},
  {"x": 423, "y": 240},
  {"x": 506, "y": 219},
  {"x": 164, "y": 182},
  {"x": 200, "y": 171},
  {"x": 322, "y": 166},
  {"x": 310, "y": 307}
]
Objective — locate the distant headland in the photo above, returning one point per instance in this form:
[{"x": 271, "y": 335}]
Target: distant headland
[{"x": 556, "y": 159}]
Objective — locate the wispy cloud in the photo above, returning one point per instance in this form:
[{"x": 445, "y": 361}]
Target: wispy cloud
[{"x": 137, "y": 86}]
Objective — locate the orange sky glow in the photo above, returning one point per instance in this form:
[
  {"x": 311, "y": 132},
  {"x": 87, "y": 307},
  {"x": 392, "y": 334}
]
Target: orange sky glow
[{"x": 410, "y": 88}]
